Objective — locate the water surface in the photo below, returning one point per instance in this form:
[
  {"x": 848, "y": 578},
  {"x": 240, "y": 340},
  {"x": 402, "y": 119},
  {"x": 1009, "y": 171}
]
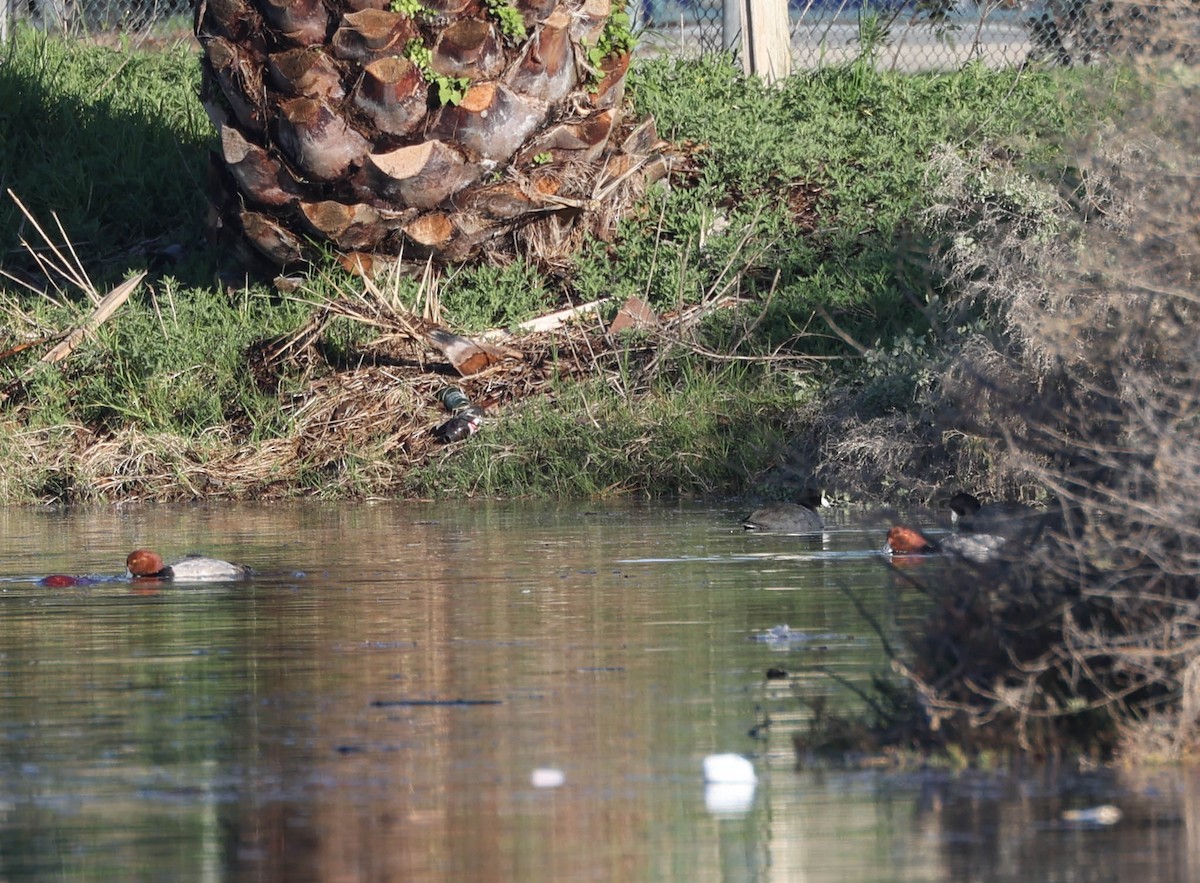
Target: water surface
[{"x": 374, "y": 704}]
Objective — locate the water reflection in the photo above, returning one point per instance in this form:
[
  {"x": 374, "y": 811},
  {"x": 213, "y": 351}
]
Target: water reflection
[{"x": 374, "y": 704}]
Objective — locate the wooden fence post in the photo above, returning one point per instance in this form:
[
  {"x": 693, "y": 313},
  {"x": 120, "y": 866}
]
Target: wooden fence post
[{"x": 760, "y": 33}]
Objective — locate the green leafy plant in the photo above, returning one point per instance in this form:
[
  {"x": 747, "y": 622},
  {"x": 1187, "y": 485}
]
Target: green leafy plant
[
  {"x": 512, "y": 24},
  {"x": 450, "y": 90},
  {"x": 615, "y": 39},
  {"x": 543, "y": 158},
  {"x": 411, "y": 8},
  {"x": 420, "y": 55}
]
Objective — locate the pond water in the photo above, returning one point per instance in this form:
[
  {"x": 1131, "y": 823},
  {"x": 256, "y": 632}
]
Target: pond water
[{"x": 397, "y": 692}]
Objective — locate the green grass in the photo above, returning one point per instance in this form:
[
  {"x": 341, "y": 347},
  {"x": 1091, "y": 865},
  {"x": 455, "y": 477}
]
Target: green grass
[
  {"x": 115, "y": 144},
  {"x": 174, "y": 364},
  {"x": 694, "y": 430},
  {"x": 858, "y": 139}
]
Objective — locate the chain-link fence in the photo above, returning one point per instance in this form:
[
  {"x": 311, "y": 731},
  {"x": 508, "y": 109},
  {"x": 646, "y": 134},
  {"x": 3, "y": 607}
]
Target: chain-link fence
[
  {"x": 90, "y": 17},
  {"x": 904, "y": 35},
  {"x": 912, "y": 35},
  {"x": 907, "y": 37}
]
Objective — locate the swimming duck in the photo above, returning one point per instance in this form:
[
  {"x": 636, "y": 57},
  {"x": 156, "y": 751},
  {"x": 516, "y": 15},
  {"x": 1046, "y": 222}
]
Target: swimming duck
[
  {"x": 800, "y": 517},
  {"x": 977, "y": 547},
  {"x": 1002, "y": 519},
  {"x": 194, "y": 568}
]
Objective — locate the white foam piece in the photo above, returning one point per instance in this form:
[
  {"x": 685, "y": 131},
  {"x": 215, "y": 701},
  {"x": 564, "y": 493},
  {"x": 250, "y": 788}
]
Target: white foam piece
[
  {"x": 729, "y": 798},
  {"x": 729, "y": 769},
  {"x": 547, "y": 777}
]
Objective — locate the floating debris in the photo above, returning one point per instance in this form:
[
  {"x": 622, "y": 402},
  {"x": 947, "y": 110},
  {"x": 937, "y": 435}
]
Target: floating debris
[
  {"x": 547, "y": 777},
  {"x": 1096, "y": 816},
  {"x": 785, "y": 635},
  {"x": 730, "y": 782},
  {"x": 729, "y": 769}
]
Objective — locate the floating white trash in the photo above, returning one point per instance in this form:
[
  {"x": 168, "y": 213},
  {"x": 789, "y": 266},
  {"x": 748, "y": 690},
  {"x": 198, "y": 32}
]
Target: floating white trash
[
  {"x": 1096, "y": 815},
  {"x": 547, "y": 777},
  {"x": 729, "y": 769},
  {"x": 729, "y": 798}
]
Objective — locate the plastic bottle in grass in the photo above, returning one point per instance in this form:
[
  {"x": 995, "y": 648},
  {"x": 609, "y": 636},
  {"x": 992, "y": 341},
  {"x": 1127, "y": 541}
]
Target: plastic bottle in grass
[{"x": 466, "y": 420}]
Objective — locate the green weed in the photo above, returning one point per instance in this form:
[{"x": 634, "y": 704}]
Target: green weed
[
  {"x": 508, "y": 17},
  {"x": 480, "y": 298},
  {"x": 616, "y": 39},
  {"x": 450, "y": 90},
  {"x": 173, "y": 364},
  {"x": 411, "y": 8}
]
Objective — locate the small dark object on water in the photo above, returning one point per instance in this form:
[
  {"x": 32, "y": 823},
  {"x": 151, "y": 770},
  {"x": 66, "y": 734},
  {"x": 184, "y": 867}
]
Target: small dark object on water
[
  {"x": 776, "y": 674},
  {"x": 761, "y": 729}
]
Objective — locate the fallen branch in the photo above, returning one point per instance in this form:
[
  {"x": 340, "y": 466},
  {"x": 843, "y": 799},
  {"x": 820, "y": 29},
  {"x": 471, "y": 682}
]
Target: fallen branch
[{"x": 108, "y": 305}]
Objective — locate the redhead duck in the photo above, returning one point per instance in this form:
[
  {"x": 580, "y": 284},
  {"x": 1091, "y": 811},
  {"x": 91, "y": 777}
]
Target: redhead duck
[
  {"x": 194, "y": 568},
  {"x": 800, "y": 517},
  {"x": 1002, "y": 519},
  {"x": 977, "y": 547}
]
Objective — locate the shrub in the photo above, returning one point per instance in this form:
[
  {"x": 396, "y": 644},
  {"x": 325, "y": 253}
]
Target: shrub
[{"x": 1089, "y": 383}]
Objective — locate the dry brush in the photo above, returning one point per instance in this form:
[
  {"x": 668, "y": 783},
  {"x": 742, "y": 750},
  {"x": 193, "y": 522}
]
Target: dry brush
[{"x": 1086, "y": 381}]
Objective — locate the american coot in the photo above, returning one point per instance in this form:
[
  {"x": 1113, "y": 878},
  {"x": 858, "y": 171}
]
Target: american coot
[
  {"x": 1009, "y": 520},
  {"x": 194, "y": 568},
  {"x": 799, "y": 517}
]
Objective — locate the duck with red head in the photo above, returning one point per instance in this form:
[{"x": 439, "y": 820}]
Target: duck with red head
[
  {"x": 979, "y": 548},
  {"x": 905, "y": 540},
  {"x": 144, "y": 564}
]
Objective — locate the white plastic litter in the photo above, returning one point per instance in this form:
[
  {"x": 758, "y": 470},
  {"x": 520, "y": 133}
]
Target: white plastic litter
[
  {"x": 1096, "y": 815},
  {"x": 728, "y": 798},
  {"x": 547, "y": 777},
  {"x": 729, "y": 769}
]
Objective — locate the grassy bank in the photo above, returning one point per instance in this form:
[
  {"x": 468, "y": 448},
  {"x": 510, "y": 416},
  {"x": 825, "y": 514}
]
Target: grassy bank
[
  {"x": 884, "y": 285},
  {"x": 794, "y": 218}
]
